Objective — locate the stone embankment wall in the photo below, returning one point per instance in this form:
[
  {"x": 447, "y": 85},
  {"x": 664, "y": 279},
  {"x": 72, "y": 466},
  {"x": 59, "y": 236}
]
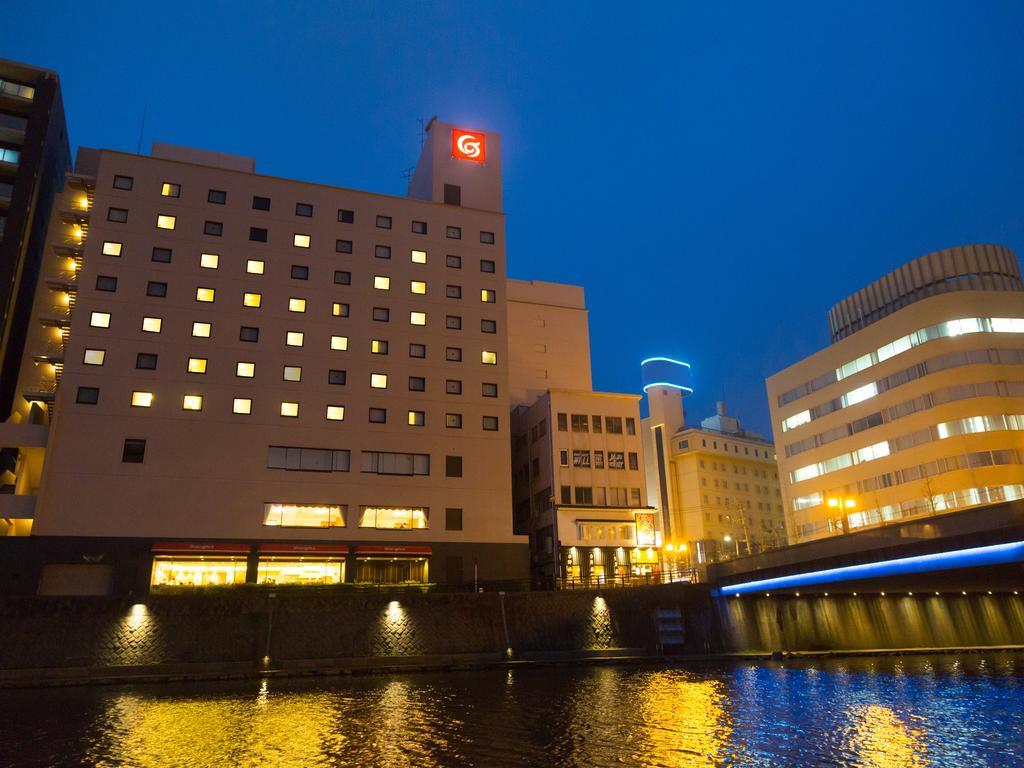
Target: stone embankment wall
[{"x": 236, "y": 630}]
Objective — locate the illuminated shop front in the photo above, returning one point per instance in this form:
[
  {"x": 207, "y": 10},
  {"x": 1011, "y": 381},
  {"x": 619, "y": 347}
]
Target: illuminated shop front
[
  {"x": 198, "y": 564},
  {"x": 605, "y": 550},
  {"x": 392, "y": 564},
  {"x": 304, "y": 564}
]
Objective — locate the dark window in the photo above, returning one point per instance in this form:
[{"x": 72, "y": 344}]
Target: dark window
[
  {"x": 303, "y": 209},
  {"x": 134, "y": 451},
  {"x": 382, "y": 251},
  {"x": 119, "y": 215},
  {"x": 563, "y": 423},
  {"x": 453, "y": 421},
  {"x": 383, "y": 222},
  {"x": 106, "y": 283},
  {"x": 381, "y": 314},
  {"x": 170, "y": 190},
  {"x": 156, "y": 289},
  {"x": 124, "y": 182},
  {"x": 566, "y": 492},
  {"x": 634, "y": 461},
  {"x": 453, "y": 354},
  {"x": 489, "y": 389},
  {"x": 248, "y": 333},
  {"x": 336, "y": 377},
  {"x": 486, "y": 265},
  {"x": 215, "y": 228},
  {"x": 346, "y": 217},
  {"x": 584, "y": 495},
  {"x": 379, "y": 347},
  {"x": 453, "y": 291},
  {"x": 488, "y": 326},
  {"x": 453, "y": 323},
  {"x": 217, "y": 196},
  {"x": 417, "y": 350},
  {"x": 88, "y": 395},
  {"x": 452, "y": 194},
  {"x": 258, "y": 234},
  {"x": 491, "y": 423},
  {"x": 455, "y": 262},
  {"x": 163, "y": 255},
  {"x": 342, "y": 310},
  {"x": 452, "y": 519},
  {"x": 419, "y": 227},
  {"x": 487, "y": 238},
  {"x": 453, "y": 466},
  {"x": 453, "y": 233},
  {"x": 595, "y": 424},
  {"x": 378, "y": 415},
  {"x": 342, "y": 278},
  {"x": 630, "y": 425},
  {"x": 417, "y": 384},
  {"x": 145, "y": 361},
  {"x": 453, "y": 387},
  {"x": 300, "y": 272},
  {"x": 343, "y": 246},
  {"x": 260, "y": 203}
]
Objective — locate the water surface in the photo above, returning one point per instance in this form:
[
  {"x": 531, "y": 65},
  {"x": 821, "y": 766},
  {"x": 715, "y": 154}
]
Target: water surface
[{"x": 949, "y": 710}]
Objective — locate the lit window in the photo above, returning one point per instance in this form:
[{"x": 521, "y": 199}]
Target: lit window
[
  {"x": 209, "y": 260},
  {"x": 197, "y": 365},
  {"x": 292, "y": 373},
  {"x": 487, "y": 295},
  {"x": 339, "y": 343},
  {"x": 289, "y": 409},
  {"x": 99, "y": 320},
  {"x": 254, "y": 267},
  {"x": 417, "y": 318},
  {"x": 204, "y": 294},
  {"x": 300, "y": 241},
  {"x": 294, "y": 338},
  {"x": 382, "y": 283},
  {"x": 296, "y": 305},
  {"x": 170, "y": 190},
  {"x": 416, "y": 418},
  {"x": 165, "y": 222},
  {"x": 418, "y": 286},
  {"x": 419, "y": 257},
  {"x": 245, "y": 370},
  {"x": 335, "y": 412},
  {"x": 251, "y": 299},
  {"x": 202, "y": 330},
  {"x": 94, "y": 356},
  {"x": 339, "y": 310},
  {"x": 152, "y": 324},
  {"x": 142, "y": 399},
  {"x": 379, "y": 380},
  {"x": 192, "y": 403},
  {"x": 111, "y": 248},
  {"x": 379, "y": 347},
  {"x": 489, "y": 358},
  {"x": 241, "y": 405}
]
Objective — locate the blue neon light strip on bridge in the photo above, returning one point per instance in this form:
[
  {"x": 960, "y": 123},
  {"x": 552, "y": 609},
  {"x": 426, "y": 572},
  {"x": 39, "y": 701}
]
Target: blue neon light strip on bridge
[{"x": 994, "y": 554}]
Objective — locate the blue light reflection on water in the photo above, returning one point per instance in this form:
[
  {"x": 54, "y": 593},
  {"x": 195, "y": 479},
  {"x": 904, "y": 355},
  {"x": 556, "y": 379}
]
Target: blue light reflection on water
[{"x": 948, "y": 710}]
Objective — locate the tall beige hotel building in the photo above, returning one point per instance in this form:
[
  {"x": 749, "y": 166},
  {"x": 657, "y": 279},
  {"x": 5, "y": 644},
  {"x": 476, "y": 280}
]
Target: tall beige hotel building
[
  {"x": 917, "y": 407},
  {"x": 232, "y": 377}
]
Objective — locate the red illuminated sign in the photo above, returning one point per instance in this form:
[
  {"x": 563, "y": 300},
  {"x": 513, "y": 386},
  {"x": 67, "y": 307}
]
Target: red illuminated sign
[{"x": 468, "y": 145}]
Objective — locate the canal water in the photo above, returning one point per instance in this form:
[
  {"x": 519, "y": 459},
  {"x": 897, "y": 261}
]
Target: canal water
[{"x": 943, "y": 710}]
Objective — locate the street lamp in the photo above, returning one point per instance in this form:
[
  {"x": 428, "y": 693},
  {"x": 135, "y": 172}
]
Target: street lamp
[{"x": 843, "y": 504}]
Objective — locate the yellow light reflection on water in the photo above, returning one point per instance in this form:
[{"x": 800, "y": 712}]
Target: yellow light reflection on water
[
  {"x": 880, "y": 739},
  {"x": 685, "y": 722}
]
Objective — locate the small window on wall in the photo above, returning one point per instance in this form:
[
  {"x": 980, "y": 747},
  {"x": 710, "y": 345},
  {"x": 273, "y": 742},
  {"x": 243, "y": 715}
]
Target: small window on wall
[
  {"x": 145, "y": 361},
  {"x": 417, "y": 384},
  {"x": 214, "y": 228},
  {"x": 453, "y": 420},
  {"x": 106, "y": 283},
  {"x": 346, "y": 216},
  {"x": 453, "y": 233},
  {"x": 378, "y": 415},
  {"x": 453, "y": 387},
  {"x": 343, "y": 246},
  {"x": 488, "y": 326},
  {"x": 565, "y": 492},
  {"x": 170, "y": 190},
  {"x": 452, "y": 519},
  {"x": 453, "y": 466},
  {"x": 336, "y": 376},
  {"x": 248, "y": 333},
  {"x": 417, "y": 350},
  {"x": 134, "y": 451},
  {"x": 489, "y": 390},
  {"x": 563, "y": 422},
  {"x": 255, "y": 266},
  {"x": 303, "y": 209},
  {"x": 452, "y": 194},
  {"x": 563, "y": 458},
  {"x": 487, "y": 238},
  {"x": 217, "y": 196},
  {"x": 383, "y": 222},
  {"x": 455, "y": 262},
  {"x": 119, "y": 215},
  {"x": 490, "y": 423},
  {"x": 300, "y": 272},
  {"x": 382, "y": 251},
  {"x": 419, "y": 227},
  {"x": 486, "y": 265},
  {"x": 88, "y": 395},
  {"x": 124, "y": 182},
  {"x": 257, "y": 234},
  {"x": 162, "y": 255},
  {"x": 111, "y": 248},
  {"x": 260, "y": 203}
]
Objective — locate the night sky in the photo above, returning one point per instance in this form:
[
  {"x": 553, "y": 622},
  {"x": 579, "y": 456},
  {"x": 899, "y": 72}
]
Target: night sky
[{"x": 715, "y": 174}]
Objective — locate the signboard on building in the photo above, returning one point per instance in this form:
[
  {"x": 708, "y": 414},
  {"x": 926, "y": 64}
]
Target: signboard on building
[
  {"x": 646, "y": 535},
  {"x": 469, "y": 145}
]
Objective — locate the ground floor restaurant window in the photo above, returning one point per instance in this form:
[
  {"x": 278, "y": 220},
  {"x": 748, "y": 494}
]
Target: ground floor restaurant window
[
  {"x": 197, "y": 571},
  {"x": 300, "y": 570},
  {"x": 391, "y": 570}
]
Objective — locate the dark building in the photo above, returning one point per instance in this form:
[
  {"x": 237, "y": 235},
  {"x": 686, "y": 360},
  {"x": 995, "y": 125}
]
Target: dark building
[{"x": 34, "y": 159}]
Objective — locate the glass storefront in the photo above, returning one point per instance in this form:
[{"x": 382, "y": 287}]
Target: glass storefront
[
  {"x": 300, "y": 570},
  {"x": 193, "y": 571},
  {"x": 391, "y": 570}
]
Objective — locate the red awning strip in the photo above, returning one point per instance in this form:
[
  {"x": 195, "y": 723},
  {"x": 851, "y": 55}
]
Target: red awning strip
[
  {"x": 200, "y": 547},
  {"x": 392, "y": 549},
  {"x": 302, "y": 549}
]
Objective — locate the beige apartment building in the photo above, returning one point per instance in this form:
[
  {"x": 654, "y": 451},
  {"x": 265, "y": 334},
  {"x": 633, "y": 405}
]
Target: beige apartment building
[
  {"x": 236, "y": 377},
  {"x": 715, "y": 486},
  {"x": 917, "y": 406}
]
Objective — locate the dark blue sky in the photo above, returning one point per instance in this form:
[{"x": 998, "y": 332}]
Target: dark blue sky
[{"x": 716, "y": 174}]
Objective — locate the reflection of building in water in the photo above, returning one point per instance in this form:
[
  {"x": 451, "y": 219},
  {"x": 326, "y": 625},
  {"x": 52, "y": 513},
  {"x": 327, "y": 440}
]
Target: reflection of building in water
[
  {"x": 686, "y": 722},
  {"x": 880, "y": 739}
]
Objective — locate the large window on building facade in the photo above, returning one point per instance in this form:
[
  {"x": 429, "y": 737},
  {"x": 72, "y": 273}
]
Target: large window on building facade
[
  {"x": 383, "y": 463},
  {"x": 287, "y": 515},
  {"x": 393, "y": 517}
]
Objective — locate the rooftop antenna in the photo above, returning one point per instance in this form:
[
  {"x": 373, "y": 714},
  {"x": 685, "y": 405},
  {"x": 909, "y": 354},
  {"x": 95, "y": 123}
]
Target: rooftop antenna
[
  {"x": 424, "y": 127},
  {"x": 142, "y": 127},
  {"x": 407, "y": 173}
]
